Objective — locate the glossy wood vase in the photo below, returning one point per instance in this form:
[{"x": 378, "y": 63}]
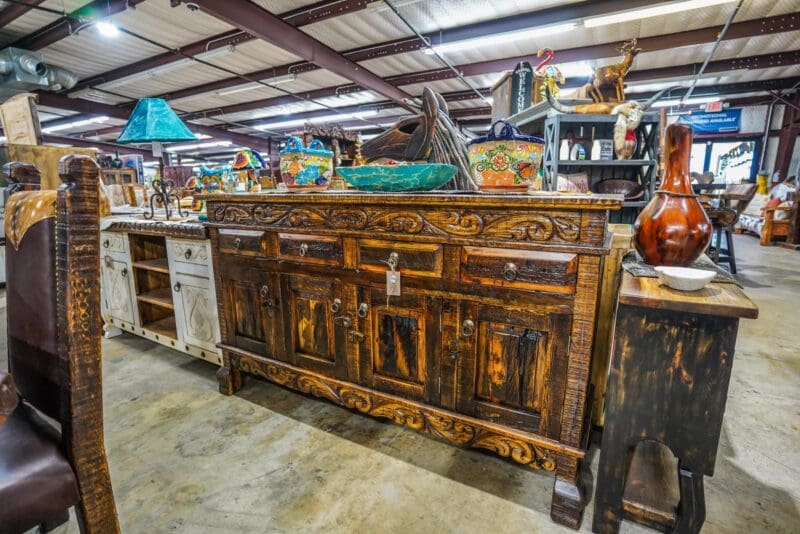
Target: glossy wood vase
[{"x": 673, "y": 229}]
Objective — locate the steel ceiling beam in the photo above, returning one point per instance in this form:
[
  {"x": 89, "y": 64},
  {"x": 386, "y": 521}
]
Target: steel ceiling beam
[
  {"x": 71, "y": 23},
  {"x": 95, "y": 108},
  {"x": 259, "y": 22},
  {"x": 298, "y": 17},
  {"x": 13, "y": 11},
  {"x": 104, "y": 145}
]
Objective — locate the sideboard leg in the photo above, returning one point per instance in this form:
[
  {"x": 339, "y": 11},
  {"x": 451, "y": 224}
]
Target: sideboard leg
[
  {"x": 567, "y": 504},
  {"x": 230, "y": 380},
  {"x": 692, "y": 510}
]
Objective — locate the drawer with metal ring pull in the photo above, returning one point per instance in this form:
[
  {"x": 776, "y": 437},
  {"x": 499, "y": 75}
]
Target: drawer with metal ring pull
[
  {"x": 242, "y": 242},
  {"x": 112, "y": 242},
  {"x": 188, "y": 251},
  {"x": 306, "y": 248},
  {"x": 411, "y": 259},
  {"x": 555, "y": 272}
]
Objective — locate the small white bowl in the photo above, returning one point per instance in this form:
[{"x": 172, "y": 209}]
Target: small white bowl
[{"x": 683, "y": 278}]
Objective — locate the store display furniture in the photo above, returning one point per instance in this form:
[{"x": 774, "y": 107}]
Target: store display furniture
[
  {"x": 119, "y": 177},
  {"x": 156, "y": 279},
  {"x": 544, "y": 121},
  {"x": 53, "y": 303},
  {"x": 666, "y": 396},
  {"x": 488, "y": 344}
]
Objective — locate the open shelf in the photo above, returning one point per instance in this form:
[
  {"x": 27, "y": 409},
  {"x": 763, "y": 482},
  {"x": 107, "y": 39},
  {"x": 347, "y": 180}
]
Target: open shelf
[
  {"x": 652, "y": 492},
  {"x": 163, "y": 327},
  {"x": 159, "y": 265},
  {"x": 606, "y": 162},
  {"x": 159, "y": 297}
]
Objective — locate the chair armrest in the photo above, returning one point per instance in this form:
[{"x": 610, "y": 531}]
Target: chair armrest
[{"x": 9, "y": 398}]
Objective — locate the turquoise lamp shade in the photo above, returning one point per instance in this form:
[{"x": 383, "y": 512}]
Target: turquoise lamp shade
[{"x": 153, "y": 120}]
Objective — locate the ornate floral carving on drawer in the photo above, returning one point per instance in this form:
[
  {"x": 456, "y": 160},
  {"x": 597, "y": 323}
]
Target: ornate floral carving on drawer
[
  {"x": 190, "y": 252},
  {"x": 112, "y": 242},
  {"x": 519, "y": 226}
]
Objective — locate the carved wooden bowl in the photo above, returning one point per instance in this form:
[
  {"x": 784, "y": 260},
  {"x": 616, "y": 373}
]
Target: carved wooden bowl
[{"x": 627, "y": 188}]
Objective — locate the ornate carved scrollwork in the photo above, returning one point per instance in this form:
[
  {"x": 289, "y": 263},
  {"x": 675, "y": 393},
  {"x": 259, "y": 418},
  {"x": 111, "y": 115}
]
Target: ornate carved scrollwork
[{"x": 430, "y": 420}]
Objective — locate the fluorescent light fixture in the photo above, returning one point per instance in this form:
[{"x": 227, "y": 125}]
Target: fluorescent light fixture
[
  {"x": 4, "y": 139},
  {"x": 677, "y": 101},
  {"x": 195, "y": 146},
  {"x": 324, "y": 118},
  {"x": 256, "y": 85},
  {"x": 576, "y": 69},
  {"x": 654, "y": 11},
  {"x": 106, "y": 29},
  {"x": 501, "y": 38},
  {"x": 76, "y": 124}
]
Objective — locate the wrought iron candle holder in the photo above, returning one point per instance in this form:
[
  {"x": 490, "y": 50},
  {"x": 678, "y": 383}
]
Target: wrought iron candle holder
[{"x": 164, "y": 192}]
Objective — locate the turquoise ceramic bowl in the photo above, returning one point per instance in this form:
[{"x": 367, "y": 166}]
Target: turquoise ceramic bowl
[{"x": 413, "y": 177}]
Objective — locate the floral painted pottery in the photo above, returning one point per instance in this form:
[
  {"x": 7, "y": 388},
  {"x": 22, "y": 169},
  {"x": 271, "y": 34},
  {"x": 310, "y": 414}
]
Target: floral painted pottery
[
  {"x": 673, "y": 229},
  {"x": 507, "y": 161},
  {"x": 412, "y": 177},
  {"x": 306, "y": 169}
]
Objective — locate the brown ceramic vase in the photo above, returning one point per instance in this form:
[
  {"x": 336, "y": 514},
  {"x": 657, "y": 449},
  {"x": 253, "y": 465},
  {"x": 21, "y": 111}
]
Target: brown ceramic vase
[{"x": 673, "y": 229}]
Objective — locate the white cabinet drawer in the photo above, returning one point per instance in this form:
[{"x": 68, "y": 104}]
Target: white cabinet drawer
[{"x": 112, "y": 242}]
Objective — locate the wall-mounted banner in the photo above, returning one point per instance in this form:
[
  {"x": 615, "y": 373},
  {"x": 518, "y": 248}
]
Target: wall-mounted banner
[{"x": 729, "y": 120}]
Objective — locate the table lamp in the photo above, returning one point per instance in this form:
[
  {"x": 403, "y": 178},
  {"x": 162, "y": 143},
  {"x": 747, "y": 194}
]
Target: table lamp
[{"x": 153, "y": 121}]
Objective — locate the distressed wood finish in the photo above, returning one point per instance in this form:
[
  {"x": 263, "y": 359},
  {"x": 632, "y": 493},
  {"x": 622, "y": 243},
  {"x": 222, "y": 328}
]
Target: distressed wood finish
[
  {"x": 669, "y": 386},
  {"x": 488, "y": 345},
  {"x": 79, "y": 326}
]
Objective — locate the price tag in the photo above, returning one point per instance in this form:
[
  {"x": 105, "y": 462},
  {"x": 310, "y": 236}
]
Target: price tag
[{"x": 392, "y": 284}]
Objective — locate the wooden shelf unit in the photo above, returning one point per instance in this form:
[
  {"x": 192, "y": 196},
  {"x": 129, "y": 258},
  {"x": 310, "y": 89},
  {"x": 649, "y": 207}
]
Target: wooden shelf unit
[
  {"x": 159, "y": 265},
  {"x": 152, "y": 284},
  {"x": 158, "y": 297}
]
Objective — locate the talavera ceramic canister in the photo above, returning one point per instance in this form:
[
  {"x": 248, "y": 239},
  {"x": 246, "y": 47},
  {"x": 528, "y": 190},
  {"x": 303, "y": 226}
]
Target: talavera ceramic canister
[{"x": 673, "y": 229}]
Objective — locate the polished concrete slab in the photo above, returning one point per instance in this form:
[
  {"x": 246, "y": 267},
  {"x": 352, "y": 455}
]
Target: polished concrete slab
[{"x": 183, "y": 458}]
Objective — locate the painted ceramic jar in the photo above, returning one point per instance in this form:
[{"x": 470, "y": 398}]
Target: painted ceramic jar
[
  {"x": 306, "y": 169},
  {"x": 505, "y": 161},
  {"x": 673, "y": 229}
]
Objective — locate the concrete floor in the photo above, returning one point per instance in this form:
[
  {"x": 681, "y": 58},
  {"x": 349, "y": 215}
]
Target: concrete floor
[{"x": 183, "y": 458}]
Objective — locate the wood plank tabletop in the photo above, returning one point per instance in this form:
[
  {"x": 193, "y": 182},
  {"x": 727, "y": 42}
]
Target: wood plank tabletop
[{"x": 726, "y": 300}]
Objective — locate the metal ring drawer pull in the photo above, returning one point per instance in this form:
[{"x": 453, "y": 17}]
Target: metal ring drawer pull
[
  {"x": 336, "y": 305},
  {"x": 106, "y": 243},
  {"x": 467, "y": 328},
  {"x": 124, "y": 272},
  {"x": 177, "y": 287},
  {"x": 510, "y": 271},
  {"x": 303, "y": 249},
  {"x": 363, "y": 308},
  {"x": 188, "y": 254},
  {"x": 237, "y": 243}
]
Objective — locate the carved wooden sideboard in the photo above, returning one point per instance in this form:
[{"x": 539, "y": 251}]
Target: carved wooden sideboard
[
  {"x": 156, "y": 283},
  {"x": 488, "y": 344}
]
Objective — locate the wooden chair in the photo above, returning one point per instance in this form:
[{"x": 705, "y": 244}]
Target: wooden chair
[{"x": 52, "y": 454}]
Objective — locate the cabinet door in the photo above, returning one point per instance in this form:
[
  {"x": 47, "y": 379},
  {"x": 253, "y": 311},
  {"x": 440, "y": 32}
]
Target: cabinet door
[
  {"x": 251, "y": 303},
  {"x": 195, "y": 311},
  {"x": 512, "y": 366},
  {"x": 316, "y": 324},
  {"x": 117, "y": 289},
  {"x": 398, "y": 353}
]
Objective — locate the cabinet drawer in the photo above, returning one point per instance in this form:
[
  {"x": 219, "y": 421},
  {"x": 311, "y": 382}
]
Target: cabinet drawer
[
  {"x": 243, "y": 242},
  {"x": 191, "y": 252},
  {"x": 308, "y": 248},
  {"x": 413, "y": 259},
  {"x": 112, "y": 242},
  {"x": 555, "y": 272}
]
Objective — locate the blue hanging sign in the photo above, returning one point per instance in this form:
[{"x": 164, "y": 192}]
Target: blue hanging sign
[{"x": 729, "y": 120}]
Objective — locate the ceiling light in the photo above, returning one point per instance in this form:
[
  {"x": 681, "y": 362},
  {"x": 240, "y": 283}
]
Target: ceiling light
[
  {"x": 256, "y": 85},
  {"x": 75, "y": 124},
  {"x": 647, "y": 12},
  {"x": 324, "y": 118},
  {"x": 195, "y": 146},
  {"x": 106, "y": 29},
  {"x": 501, "y": 38},
  {"x": 691, "y": 101}
]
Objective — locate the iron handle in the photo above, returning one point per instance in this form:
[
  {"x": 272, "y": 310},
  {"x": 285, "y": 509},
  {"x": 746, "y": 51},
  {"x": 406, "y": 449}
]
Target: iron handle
[
  {"x": 124, "y": 272},
  {"x": 177, "y": 287},
  {"x": 188, "y": 254},
  {"x": 303, "y": 249},
  {"x": 454, "y": 350},
  {"x": 336, "y": 305},
  {"x": 106, "y": 243},
  {"x": 510, "y": 271},
  {"x": 353, "y": 335},
  {"x": 363, "y": 308},
  {"x": 346, "y": 321},
  {"x": 467, "y": 328},
  {"x": 237, "y": 243}
]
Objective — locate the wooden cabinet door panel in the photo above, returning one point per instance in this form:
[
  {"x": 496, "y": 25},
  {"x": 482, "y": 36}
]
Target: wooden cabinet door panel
[
  {"x": 118, "y": 290},
  {"x": 195, "y": 311},
  {"x": 252, "y": 300},
  {"x": 512, "y": 366},
  {"x": 401, "y": 344},
  {"x": 315, "y": 331}
]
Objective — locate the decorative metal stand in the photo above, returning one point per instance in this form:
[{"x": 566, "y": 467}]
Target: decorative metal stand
[{"x": 164, "y": 192}]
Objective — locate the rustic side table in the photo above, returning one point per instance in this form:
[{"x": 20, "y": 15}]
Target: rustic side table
[{"x": 666, "y": 396}]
